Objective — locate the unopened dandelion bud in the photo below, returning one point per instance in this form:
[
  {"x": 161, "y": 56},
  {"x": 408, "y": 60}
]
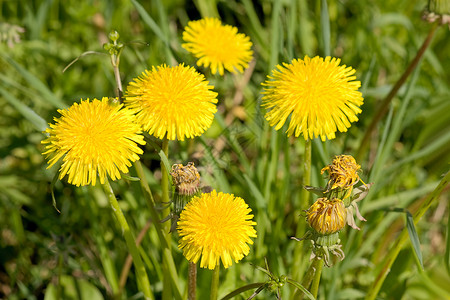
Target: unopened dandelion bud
[{"x": 327, "y": 216}]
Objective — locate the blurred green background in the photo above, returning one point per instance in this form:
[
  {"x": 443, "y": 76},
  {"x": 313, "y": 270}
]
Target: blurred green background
[{"x": 239, "y": 154}]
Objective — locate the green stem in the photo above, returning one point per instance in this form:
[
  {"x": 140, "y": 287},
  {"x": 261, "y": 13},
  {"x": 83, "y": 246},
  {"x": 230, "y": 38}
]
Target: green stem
[
  {"x": 299, "y": 252},
  {"x": 215, "y": 283},
  {"x": 403, "y": 237},
  {"x": 192, "y": 280},
  {"x": 318, "y": 266},
  {"x": 306, "y": 175},
  {"x": 383, "y": 108},
  {"x": 167, "y": 289},
  {"x": 59, "y": 286},
  {"x": 167, "y": 254},
  {"x": 141, "y": 273}
]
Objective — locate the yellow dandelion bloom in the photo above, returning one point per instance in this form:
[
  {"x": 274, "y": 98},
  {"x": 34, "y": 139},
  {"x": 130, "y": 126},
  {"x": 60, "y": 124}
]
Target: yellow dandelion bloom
[
  {"x": 93, "y": 138},
  {"x": 343, "y": 172},
  {"x": 176, "y": 101},
  {"x": 218, "y": 46},
  {"x": 216, "y": 226},
  {"x": 327, "y": 216},
  {"x": 318, "y": 95}
]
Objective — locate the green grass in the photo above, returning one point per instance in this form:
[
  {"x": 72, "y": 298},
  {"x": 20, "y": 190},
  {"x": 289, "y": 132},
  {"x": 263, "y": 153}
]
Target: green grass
[{"x": 83, "y": 247}]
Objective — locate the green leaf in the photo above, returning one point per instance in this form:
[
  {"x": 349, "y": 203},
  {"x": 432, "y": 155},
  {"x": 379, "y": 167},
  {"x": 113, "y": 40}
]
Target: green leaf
[
  {"x": 260, "y": 201},
  {"x": 36, "y": 83},
  {"x": 166, "y": 163},
  {"x": 243, "y": 289},
  {"x": 72, "y": 289},
  {"x": 29, "y": 114},
  {"x": 150, "y": 22},
  {"x": 130, "y": 178},
  {"x": 52, "y": 190},
  {"x": 315, "y": 190},
  {"x": 447, "y": 248},
  {"x": 301, "y": 288},
  {"x": 325, "y": 26},
  {"x": 414, "y": 237}
]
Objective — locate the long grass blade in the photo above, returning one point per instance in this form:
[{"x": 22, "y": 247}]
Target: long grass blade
[{"x": 29, "y": 114}]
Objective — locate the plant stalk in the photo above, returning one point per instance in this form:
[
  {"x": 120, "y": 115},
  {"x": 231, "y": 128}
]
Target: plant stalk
[
  {"x": 167, "y": 254},
  {"x": 192, "y": 280},
  {"x": 215, "y": 283},
  {"x": 299, "y": 252},
  {"x": 318, "y": 266},
  {"x": 167, "y": 289},
  {"x": 141, "y": 273}
]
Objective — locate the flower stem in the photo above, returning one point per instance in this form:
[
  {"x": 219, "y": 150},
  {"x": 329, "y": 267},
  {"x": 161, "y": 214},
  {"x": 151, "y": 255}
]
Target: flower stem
[
  {"x": 402, "y": 238},
  {"x": 215, "y": 283},
  {"x": 192, "y": 280},
  {"x": 167, "y": 289},
  {"x": 299, "y": 252},
  {"x": 167, "y": 254},
  {"x": 383, "y": 108},
  {"x": 317, "y": 264},
  {"x": 141, "y": 273},
  {"x": 306, "y": 174}
]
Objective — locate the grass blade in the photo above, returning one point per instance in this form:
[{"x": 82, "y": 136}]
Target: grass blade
[
  {"x": 414, "y": 237},
  {"x": 39, "y": 123},
  {"x": 36, "y": 83}
]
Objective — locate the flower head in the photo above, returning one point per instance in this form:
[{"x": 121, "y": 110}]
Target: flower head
[
  {"x": 327, "y": 216},
  {"x": 318, "y": 95},
  {"x": 343, "y": 172},
  {"x": 216, "y": 226},
  {"x": 173, "y": 101},
  {"x": 218, "y": 46},
  {"x": 93, "y": 138}
]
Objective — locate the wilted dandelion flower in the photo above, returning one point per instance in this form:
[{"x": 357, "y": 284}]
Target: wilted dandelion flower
[
  {"x": 93, "y": 138},
  {"x": 343, "y": 172},
  {"x": 216, "y": 226},
  {"x": 217, "y": 46},
  {"x": 319, "y": 96},
  {"x": 327, "y": 216},
  {"x": 176, "y": 101},
  {"x": 185, "y": 178}
]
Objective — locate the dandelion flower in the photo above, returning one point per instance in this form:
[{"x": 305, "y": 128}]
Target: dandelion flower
[
  {"x": 173, "y": 101},
  {"x": 327, "y": 216},
  {"x": 216, "y": 226},
  {"x": 93, "y": 138},
  {"x": 218, "y": 46},
  {"x": 318, "y": 95}
]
